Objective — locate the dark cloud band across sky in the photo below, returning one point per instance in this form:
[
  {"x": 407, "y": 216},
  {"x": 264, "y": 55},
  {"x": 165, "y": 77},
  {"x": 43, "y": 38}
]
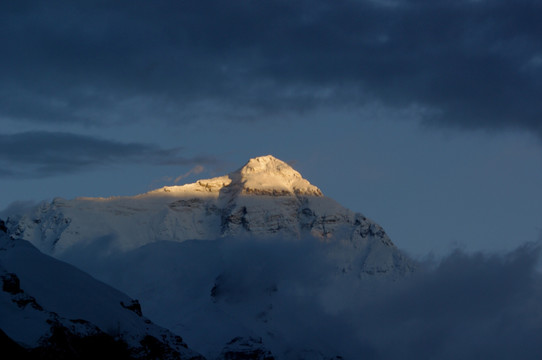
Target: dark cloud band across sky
[
  {"x": 42, "y": 154},
  {"x": 468, "y": 64}
]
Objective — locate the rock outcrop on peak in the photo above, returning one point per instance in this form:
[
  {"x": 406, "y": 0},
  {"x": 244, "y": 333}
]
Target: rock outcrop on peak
[{"x": 245, "y": 348}]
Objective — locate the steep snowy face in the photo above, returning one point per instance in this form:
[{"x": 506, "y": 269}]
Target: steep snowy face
[{"x": 44, "y": 302}]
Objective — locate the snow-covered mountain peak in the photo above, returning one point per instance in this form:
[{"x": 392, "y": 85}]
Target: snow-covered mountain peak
[
  {"x": 267, "y": 175},
  {"x": 264, "y": 175},
  {"x": 221, "y": 258},
  {"x": 268, "y": 165}
]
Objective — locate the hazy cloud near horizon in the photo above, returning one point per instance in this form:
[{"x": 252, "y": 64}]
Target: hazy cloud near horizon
[
  {"x": 41, "y": 154},
  {"x": 463, "y": 64}
]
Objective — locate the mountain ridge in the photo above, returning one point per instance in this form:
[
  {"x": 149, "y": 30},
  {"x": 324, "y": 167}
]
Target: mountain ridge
[{"x": 264, "y": 198}]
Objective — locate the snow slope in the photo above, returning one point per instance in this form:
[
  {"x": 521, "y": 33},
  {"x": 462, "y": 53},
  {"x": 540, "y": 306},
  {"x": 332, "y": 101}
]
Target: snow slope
[{"x": 41, "y": 294}]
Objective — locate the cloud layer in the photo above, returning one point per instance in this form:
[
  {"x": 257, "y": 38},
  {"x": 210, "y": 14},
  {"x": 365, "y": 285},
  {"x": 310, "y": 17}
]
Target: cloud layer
[
  {"x": 466, "y": 306},
  {"x": 41, "y": 154},
  {"x": 466, "y": 64}
]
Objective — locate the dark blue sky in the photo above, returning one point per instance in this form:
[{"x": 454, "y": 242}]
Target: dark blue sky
[{"x": 423, "y": 115}]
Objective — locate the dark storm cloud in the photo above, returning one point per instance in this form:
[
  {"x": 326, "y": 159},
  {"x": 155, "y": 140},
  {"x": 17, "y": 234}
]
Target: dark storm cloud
[
  {"x": 470, "y": 64},
  {"x": 467, "y": 306},
  {"x": 40, "y": 154}
]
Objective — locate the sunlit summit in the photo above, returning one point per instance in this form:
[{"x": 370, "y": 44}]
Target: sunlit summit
[{"x": 264, "y": 175}]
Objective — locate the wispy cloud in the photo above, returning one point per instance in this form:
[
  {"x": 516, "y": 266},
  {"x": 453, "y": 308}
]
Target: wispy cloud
[
  {"x": 198, "y": 169},
  {"x": 42, "y": 154}
]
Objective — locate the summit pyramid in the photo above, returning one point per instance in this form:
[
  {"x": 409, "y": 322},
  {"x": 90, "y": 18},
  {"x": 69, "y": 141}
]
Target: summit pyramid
[{"x": 264, "y": 175}]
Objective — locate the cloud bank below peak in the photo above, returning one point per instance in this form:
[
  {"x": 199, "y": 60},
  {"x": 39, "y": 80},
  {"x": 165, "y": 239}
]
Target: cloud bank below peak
[
  {"x": 465, "y": 306},
  {"x": 471, "y": 64}
]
